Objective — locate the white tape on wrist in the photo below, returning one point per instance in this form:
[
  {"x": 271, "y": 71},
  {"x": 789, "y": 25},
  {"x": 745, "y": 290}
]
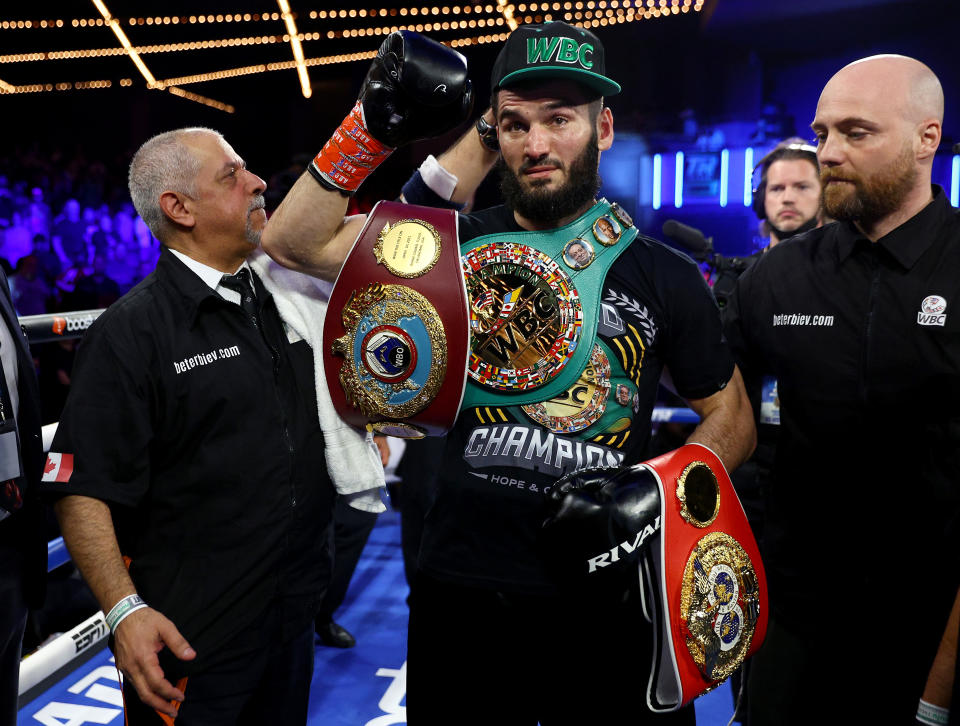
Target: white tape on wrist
[
  {"x": 122, "y": 609},
  {"x": 440, "y": 181},
  {"x": 933, "y": 715}
]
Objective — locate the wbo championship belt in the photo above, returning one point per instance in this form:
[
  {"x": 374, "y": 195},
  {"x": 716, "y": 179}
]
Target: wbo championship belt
[
  {"x": 395, "y": 336},
  {"x": 703, "y": 579}
]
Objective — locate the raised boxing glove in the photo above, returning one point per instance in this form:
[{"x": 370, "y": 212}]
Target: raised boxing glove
[
  {"x": 599, "y": 522},
  {"x": 415, "y": 89}
]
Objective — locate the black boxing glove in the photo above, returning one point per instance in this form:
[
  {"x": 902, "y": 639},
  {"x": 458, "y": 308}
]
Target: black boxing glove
[
  {"x": 600, "y": 520},
  {"x": 416, "y": 88}
]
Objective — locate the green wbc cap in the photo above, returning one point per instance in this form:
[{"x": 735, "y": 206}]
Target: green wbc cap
[{"x": 552, "y": 50}]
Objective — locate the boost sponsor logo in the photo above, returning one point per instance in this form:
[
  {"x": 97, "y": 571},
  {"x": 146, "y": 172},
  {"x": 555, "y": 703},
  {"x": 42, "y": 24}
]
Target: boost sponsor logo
[
  {"x": 72, "y": 323},
  {"x": 202, "y": 359}
]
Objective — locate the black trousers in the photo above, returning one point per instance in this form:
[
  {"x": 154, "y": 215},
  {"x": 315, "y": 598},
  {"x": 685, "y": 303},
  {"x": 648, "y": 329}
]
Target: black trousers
[
  {"x": 414, "y": 493},
  {"x": 265, "y": 685},
  {"x": 483, "y": 657},
  {"x": 13, "y": 620},
  {"x": 348, "y": 536},
  {"x": 867, "y": 674}
]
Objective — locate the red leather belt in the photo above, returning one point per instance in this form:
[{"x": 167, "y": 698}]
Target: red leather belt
[
  {"x": 396, "y": 333},
  {"x": 705, "y": 578}
]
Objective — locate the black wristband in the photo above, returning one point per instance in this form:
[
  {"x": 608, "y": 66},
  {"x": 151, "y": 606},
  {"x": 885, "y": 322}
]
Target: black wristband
[
  {"x": 416, "y": 191},
  {"x": 488, "y": 134}
]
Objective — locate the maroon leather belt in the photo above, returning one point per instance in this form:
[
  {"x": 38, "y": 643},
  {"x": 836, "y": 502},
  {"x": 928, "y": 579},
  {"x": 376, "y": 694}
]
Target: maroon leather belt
[{"x": 396, "y": 333}]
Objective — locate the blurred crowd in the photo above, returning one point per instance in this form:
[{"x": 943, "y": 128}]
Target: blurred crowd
[{"x": 69, "y": 240}]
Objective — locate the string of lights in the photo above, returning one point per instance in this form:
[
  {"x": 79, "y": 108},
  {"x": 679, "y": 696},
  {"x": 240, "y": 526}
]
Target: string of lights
[
  {"x": 588, "y": 14},
  {"x": 216, "y": 18},
  {"x": 506, "y": 9},
  {"x": 330, "y": 34},
  {"x": 147, "y": 49},
  {"x": 296, "y": 47}
]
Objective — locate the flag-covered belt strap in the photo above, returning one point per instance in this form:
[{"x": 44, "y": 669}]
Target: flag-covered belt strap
[{"x": 534, "y": 302}]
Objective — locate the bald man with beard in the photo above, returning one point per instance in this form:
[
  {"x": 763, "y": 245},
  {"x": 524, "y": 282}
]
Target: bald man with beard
[{"x": 859, "y": 321}]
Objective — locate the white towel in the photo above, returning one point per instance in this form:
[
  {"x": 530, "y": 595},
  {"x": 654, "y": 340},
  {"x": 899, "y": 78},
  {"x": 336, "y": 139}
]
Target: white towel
[{"x": 353, "y": 460}]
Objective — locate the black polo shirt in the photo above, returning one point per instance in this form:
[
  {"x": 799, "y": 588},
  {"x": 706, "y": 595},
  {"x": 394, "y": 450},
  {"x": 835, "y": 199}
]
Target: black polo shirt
[
  {"x": 864, "y": 339},
  {"x": 656, "y": 311},
  {"x": 202, "y": 434}
]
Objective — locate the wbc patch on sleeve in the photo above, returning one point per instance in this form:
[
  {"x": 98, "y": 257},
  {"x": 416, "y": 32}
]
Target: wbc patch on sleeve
[{"x": 59, "y": 467}]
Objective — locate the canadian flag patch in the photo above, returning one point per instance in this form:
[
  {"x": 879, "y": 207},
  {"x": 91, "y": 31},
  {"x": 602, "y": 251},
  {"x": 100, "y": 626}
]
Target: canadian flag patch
[{"x": 59, "y": 467}]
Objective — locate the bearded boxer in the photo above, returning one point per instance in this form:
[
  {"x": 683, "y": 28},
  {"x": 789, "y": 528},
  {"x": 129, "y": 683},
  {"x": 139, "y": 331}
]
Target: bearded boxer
[
  {"x": 190, "y": 443},
  {"x": 855, "y": 321},
  {"x": 491, "y": 638}
]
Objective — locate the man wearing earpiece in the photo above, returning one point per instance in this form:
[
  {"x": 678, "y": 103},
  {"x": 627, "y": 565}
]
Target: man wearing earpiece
[{"x": 787, "y": 197}]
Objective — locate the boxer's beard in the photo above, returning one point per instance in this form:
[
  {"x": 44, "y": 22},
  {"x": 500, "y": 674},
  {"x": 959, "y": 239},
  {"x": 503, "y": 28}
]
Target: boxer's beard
[
  {"x": 783, "y": 234},
  {"x": 868, "y": 200},
  {"x": 549, "y": 206}
]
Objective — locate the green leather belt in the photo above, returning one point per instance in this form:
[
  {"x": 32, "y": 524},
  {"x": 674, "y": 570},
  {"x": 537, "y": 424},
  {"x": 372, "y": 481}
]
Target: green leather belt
[{"x": 534, "y": 302}]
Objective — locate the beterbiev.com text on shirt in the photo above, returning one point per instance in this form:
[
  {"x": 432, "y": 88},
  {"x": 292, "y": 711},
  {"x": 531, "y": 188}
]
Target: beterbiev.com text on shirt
[
  {"x": 797, "y": 319},
  {"x": 202, "y": 359}
]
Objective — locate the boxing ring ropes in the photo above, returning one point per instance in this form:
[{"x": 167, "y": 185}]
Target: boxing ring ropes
[{"x": 59, "y": 654}]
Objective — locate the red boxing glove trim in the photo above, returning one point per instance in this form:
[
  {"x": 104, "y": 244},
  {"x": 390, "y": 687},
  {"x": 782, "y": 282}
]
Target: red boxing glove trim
[{"x": 351, "y": 154}]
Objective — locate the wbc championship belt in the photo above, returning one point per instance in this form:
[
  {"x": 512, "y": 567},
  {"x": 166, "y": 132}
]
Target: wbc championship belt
[
  {"x": 703, "y": 578},
  {"x": 534, "y": 302},
  {"x": 395, "y": 336}
]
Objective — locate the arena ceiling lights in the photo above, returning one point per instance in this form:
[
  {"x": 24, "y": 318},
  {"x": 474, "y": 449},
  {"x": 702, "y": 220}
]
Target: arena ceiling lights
[{"x": 199, "y": 42}]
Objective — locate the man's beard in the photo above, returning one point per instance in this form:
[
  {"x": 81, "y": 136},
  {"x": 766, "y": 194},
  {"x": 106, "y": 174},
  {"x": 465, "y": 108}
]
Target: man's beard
[
  {"x": 254, "y": 234},
  {"x": 871, "y": 199},
  {"x": 549, "y": 206},
  {"x": 783, "y": 234}
]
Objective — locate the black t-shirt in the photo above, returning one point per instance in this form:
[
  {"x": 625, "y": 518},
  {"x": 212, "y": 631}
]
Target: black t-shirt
[
  {"x": 656, "y": 310},
  {"x": 865, "y": 344},
  {"x": 201, "y": 432}
]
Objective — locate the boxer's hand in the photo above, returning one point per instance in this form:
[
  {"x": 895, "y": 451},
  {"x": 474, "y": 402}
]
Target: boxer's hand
[
  {"x": 416, "y": 88},
  {"x": 137, "y": 640},
  {"x": 599, "y": 522}
]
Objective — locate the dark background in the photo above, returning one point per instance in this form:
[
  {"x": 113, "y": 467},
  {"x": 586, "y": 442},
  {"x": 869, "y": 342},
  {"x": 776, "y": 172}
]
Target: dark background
[{"x": 724, "y": 63}]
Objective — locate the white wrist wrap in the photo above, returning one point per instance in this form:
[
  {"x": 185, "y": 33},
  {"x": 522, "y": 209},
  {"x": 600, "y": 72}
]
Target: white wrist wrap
[{"x": 440, "y": 181}]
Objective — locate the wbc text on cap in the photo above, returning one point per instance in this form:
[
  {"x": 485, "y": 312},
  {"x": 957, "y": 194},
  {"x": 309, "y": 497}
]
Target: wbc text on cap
[
  {"x": 553, "y": 50},
  {"x": 567, "y": 50}
]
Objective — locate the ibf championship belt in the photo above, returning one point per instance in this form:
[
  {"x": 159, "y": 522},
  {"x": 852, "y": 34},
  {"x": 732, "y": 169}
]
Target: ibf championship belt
[
  {"x": 534, "y": 301},
  {"x": 395, "y": 336},
  {"x": 703, "y": 578}
]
